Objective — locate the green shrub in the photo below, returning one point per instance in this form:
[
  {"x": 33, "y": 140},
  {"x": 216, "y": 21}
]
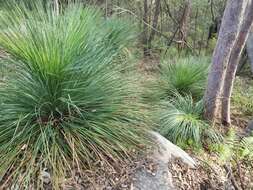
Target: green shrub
[
  {"x": 225, "y": 149},
  {"x": 211, "y": 44},
  {"x": 234, "y": 148},
  {"x": 67, "y": 104},
  {"x": 242, "y": 97},
  {"x": 246, "y": 148},
  {"x": 181, "y": 122},
  {"x": 185, "y": 76}
]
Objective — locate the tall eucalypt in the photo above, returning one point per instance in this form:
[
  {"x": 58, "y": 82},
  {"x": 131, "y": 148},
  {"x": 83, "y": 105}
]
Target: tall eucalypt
[{"x": 67, "y": 105}]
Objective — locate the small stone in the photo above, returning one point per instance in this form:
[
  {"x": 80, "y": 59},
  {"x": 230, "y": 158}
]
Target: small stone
[
  {"x": 124, "y": 186},
  {"x": 45, "y": 177},
  {"x": 24, "y": 147},
  {"x": 161, "y": 179}
]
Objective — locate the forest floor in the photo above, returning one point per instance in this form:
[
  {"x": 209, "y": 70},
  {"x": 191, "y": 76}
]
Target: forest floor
[{"x": 210, "y": 174}]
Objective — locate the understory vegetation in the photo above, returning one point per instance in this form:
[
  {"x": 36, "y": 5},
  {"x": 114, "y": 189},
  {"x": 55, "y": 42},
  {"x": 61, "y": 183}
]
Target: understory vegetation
[
  {"x": 184, "y": 76},
  {"x": 67, "y": 103},
  {"x": 181, "y": 122},
  {"x": 179, "y": 92},
  {"x": 242, "y": 97}
]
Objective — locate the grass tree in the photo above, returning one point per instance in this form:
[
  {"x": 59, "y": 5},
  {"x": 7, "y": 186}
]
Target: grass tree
[
  {"x": 181, "y": 122},
  {"x": 67, "y": 105},
  {"x": 186, "y": 76}
]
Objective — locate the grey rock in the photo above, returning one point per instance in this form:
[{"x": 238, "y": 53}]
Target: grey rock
[
  {"x": 161, "y": 180},
  {"x": 166, "y": 150},
  {"x": 163, "y": 153},
  {"x": 45, "y": 177}
]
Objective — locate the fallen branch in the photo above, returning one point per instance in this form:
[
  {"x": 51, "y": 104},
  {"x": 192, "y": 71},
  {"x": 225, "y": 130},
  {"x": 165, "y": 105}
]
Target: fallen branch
[
  {"x": 240, "y": 174},
  {"x": 231, "y": 176},
  {"x": 206, "y": 163}
]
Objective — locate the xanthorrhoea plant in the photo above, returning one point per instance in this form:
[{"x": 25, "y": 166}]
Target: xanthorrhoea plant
[
  {"x": 181, "y": 122},
  {"x": 186, "y": 76},
  {"x": 67, "y": 104}
]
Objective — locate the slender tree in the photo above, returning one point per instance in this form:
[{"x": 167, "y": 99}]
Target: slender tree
[
  {"x": 184, "y": 23},
  {"x": 155, "y": 23},
  {"x": 231, "y": 22},
  {"x": 234, "y": 60},
  {"x": 56, "y": 6},
  {"x": 145, "y": 28},
  {"x": 235, "y": 27}
]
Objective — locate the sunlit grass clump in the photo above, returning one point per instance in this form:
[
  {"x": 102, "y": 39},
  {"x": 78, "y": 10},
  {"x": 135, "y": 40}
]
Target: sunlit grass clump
[
  {"x": 67, "y": 105},
  {"x": 184, "y": 76},
  {"x": 181, "y": 122}
]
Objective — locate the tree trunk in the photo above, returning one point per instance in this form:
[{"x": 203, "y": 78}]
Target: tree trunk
[
  {"x": 249, "y": 48},
  {"x": 56, "y": 7},
  {"x": 145, "y": 28},
  {"x": 154, "y": 24},
  {"x": 184, "y": 23},
  {"x": 233, "y": 62},
  {"x": 228, "y": 33}
]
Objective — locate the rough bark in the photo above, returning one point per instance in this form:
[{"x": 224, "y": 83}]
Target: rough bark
[
  {"x": 56, "y": 6},
  {"x": 228, "y": 33},
  {"x": 154, "y": 24},
  {"x": 249, "y": 48},
  {"x": 184, "y": 23},
  {"x": 233, "y": 62},
  {"x": 145, "y": 28}
]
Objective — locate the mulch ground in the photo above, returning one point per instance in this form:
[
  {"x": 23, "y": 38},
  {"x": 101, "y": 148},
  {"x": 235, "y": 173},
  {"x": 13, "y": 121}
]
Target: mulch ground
[{"x": 203, "y": 177}]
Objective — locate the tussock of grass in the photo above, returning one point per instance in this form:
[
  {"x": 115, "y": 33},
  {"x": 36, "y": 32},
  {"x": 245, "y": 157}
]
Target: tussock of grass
[
  {"x": 181, "y": 122},
  {"x": 67, "y": 104},
  {"x": 179, "y": 90},
  {"x": 185, "y": 76}
]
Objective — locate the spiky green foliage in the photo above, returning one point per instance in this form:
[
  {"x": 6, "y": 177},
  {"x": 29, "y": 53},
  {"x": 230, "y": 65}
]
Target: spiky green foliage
[
  {"x": 234, "y": 148},
  {"x": 246, "y": 148},
  {"x": 185, "y": 76},
  {"x": 242, "y": 98},
  {"x": 181, "y": 122},
  {"x": 67, "y": 105}
]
